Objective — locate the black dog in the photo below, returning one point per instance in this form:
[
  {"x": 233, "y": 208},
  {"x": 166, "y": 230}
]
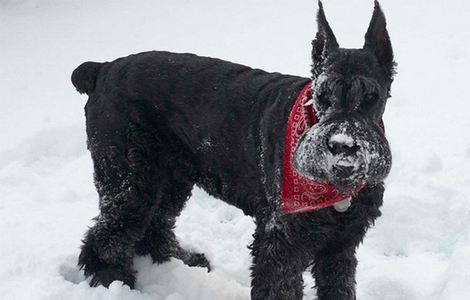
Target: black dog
[{"x": 160, "y": 122}]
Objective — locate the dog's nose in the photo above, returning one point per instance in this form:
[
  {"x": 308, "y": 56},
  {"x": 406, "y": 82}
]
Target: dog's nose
[{"x": 342, "y": 144}]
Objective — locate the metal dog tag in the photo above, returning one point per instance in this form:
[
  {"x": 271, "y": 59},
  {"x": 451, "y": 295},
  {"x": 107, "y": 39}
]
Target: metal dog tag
[{"x": 343, "y": 206}]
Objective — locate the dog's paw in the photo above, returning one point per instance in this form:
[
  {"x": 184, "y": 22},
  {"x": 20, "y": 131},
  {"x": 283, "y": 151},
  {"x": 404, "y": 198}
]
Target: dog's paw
[
  {"x": 192, "y": 259},
  {"x": 102, "y": 273},
  {"x": 197, "y": 260},
  {"x": 107, "y": 275}
]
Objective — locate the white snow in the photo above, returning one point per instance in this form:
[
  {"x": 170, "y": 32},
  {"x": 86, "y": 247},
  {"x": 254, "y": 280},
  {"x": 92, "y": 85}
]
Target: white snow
[
  {"x": 341, "y": 138},
  {"x": 341, "y": 159},
  {"x": 419, "y": 248}
]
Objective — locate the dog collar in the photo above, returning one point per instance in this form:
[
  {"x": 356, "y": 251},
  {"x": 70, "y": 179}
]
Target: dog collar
[{"x": 300, "y": 194}]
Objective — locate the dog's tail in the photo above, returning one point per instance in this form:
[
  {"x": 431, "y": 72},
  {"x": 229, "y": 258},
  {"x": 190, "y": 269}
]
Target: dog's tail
[{"x": 84, "y": 77}]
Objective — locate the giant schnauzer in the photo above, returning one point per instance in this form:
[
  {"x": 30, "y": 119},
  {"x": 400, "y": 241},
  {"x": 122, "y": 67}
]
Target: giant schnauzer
[{"x": 305, "y": 157}]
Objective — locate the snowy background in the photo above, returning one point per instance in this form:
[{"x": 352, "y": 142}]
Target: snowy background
[{"x": 420, "y": 247}]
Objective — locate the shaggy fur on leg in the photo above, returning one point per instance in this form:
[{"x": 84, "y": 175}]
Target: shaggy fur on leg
[{"x": 159, "y": 123}]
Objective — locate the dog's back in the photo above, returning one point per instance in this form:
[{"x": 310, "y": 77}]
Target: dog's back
[{"x": 211, "y": 106}]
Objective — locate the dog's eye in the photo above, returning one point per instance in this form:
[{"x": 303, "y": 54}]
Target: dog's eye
[
  {"x": 370, "y": 100},
  {"x": 323, "y": 99}
]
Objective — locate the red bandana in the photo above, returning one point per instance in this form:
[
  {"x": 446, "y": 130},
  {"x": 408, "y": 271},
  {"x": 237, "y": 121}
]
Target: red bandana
[{"x": 300, "y": 194}]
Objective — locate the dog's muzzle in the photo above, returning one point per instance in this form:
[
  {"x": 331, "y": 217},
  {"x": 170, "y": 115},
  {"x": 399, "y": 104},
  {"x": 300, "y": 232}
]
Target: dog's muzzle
[{"x": 346, "y": 153}]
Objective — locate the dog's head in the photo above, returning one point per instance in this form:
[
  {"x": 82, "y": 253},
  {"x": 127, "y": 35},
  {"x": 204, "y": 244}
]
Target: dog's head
[{"x": 347, "y": 146}]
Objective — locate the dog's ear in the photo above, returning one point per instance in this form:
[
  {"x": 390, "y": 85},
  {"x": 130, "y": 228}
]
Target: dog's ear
[
  {"x": 378, "y": 40},
  {"x": 324, "y": 42}
]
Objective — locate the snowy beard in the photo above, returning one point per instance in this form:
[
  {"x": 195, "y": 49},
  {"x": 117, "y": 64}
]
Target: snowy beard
[{"x": 367, "y": 160}]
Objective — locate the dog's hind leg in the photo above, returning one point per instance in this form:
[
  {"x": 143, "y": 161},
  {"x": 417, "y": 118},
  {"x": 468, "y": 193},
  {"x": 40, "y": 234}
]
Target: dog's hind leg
[
  {"x": 159, "y": 240},
  {"x": 129, "y": 183}
]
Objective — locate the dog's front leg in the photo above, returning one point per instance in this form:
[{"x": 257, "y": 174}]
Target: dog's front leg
[
  {"x": 276, "y": 273},
  {"x": 335, "y": 275}
]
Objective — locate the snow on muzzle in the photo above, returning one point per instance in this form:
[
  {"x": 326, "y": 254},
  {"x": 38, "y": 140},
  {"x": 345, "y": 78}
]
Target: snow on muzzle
[{"x": 346, "y": 153}]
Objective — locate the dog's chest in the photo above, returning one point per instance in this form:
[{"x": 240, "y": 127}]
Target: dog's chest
[{"x": 326, "y": 228}]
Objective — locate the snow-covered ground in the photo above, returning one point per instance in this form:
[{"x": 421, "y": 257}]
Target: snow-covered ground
[{"x": 420, "y": 247}]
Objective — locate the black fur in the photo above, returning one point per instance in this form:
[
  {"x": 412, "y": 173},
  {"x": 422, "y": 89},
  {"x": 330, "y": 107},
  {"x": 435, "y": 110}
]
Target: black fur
[{"x": 159, "y": 122}]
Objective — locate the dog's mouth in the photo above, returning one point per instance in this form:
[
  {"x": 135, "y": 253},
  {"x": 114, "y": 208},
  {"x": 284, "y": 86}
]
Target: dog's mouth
[{"x": 347, "y": 154}]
